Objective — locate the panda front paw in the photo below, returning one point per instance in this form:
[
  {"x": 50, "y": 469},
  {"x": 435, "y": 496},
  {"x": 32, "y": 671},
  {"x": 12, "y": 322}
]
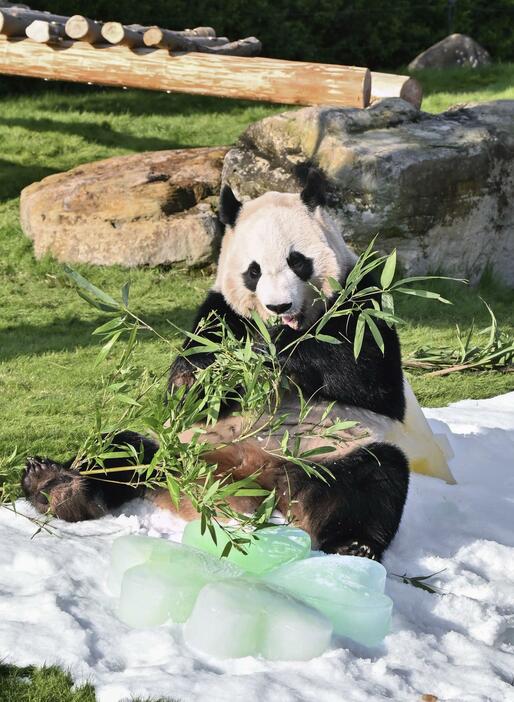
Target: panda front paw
[{"x": 182, "y": 373}]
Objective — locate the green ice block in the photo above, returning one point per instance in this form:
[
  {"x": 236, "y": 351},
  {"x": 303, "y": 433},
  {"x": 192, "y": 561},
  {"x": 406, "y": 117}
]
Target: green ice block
[
  {"x": 237, "y": 618},
  {"x": 132, "y": 550},
  {"x": 346, "y": 589},
  {"x": 166, "y": 580},
  {"x": 274, "y": 546}
]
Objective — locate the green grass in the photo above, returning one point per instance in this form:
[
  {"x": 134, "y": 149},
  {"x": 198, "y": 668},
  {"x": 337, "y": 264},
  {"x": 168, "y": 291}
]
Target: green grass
[
  {"x": 41, "y": 685},
  {"x": 47, "y": 378},
  {"x": 443, "y": 89},
  {"x": 45, "y": 685}
]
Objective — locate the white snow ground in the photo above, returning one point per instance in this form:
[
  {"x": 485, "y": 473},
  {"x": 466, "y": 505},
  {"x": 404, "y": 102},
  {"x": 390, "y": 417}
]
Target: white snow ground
[{"x": 54, "y": 608}]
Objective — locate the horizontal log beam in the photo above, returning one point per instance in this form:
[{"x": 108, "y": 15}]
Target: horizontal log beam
[
  {"x": 272, "y": 80},
  {"x": 391, "y": 85}
]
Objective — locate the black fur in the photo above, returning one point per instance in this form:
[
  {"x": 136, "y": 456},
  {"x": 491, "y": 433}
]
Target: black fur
[
  {"x": 229, "y": 207},
  {"x": 251, "y": 276},
  {"x": 302, "y": 265},
  {"x": 314, "y": 193},
  {"x": 362, "y": 505},
  {"x": 214, "y": 306}
]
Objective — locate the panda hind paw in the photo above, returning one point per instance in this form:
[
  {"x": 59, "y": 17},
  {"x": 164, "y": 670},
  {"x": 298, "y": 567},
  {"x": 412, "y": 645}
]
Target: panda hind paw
[{"x": 355, "y": 548}]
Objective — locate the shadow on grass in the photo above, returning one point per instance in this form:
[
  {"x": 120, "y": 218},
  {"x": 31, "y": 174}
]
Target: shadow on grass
[
  {"x": 143, "y": 102},
  {"x": 93, "y": 132},
  {"x": 14, "y": 177},
  {"x": 71, "y": 333}
]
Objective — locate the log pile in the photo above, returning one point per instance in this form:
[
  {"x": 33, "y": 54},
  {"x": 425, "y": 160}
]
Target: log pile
[
  {"x": 54, "y": 47},
  {"x": 47, "y": 28}
]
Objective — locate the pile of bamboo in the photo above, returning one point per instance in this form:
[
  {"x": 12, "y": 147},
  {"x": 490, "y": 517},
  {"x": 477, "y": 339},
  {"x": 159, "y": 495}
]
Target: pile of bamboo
[
  {"x": 47, "y": 28},
  {"x": 43, "y": 45}
]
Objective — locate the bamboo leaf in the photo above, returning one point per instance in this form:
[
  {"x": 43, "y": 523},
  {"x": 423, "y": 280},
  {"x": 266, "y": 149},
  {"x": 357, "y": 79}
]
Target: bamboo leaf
[
  {"x": 359, "y": 336},
  {"x": 327, "y": 339},
  {"x": 428, "y": 294},
  {"x": 389, "y": 270},
  {"x": 106, "y": 348},
  {"x": 89, "y": 287},
  {"x": 376, "y": 334}
]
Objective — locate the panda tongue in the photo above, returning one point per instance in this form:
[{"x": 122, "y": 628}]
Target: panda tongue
[{"x": 290, "y": 320}]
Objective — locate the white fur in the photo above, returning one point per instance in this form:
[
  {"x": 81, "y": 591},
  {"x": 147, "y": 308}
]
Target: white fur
[{"x": 266, "y": 231}]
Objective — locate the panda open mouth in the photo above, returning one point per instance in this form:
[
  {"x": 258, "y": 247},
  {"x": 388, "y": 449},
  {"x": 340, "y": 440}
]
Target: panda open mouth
[{"x": 292, "y": 320}]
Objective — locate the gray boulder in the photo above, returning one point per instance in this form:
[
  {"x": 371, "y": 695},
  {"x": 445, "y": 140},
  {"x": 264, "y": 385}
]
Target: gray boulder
[
  {"x": 145, "y": 209},
  {"x": 438, "y": 188},
  {"x": 456, "y": 50}
]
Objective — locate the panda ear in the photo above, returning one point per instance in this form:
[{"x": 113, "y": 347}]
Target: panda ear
[
  {"x": 314, "y": 193},
  {"x": 229, "y": 207}
]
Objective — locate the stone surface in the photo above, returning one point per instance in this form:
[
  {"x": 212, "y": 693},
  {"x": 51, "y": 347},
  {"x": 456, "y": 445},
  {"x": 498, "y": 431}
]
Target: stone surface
[
  {"x": 452, "y": 52},
  {"x": 145, "y": 209},
  {"x": 439, "y": 188}
]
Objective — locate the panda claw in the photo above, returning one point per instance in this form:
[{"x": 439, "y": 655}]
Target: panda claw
[{"x": 355, "y": 548}]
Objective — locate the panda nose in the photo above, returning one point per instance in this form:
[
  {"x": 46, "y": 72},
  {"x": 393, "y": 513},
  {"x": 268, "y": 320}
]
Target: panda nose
[{"x": 280, "y": 309}]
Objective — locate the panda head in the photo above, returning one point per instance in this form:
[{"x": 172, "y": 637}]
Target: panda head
[{"x": 278, "y": 251}]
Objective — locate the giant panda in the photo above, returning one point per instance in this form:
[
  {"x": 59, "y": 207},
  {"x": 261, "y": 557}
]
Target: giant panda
[{"x": 276, "y": 250}]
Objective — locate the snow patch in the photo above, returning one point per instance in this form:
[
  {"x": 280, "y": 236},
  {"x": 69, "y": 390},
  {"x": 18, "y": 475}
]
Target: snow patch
[{"x": 55, "y": 608}]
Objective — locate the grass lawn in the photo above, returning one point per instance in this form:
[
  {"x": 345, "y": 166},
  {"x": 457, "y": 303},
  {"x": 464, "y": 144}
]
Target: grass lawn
[{"x": 47, "y": 379}]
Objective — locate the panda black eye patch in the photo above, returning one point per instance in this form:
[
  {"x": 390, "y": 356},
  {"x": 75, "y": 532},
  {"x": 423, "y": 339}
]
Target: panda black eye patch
[
  {"x": 251, "y": 276},
  {"x": 300, "y": 264}
]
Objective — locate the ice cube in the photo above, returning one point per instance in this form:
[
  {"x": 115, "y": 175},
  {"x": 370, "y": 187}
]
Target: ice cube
[
  {"x": 166, "y": 586},
  {"x": 153, "y": 593},
  {"x": 273, "y": 546},
  {"x": 132, "y": 550},
  {"x": 346, "y": 589},
  {"x": 237, "y": 618}
]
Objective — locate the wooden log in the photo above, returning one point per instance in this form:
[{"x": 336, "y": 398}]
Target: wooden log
[
  {"x": 250, "y": 46},
  {"x": 45, "y": 32},
  {"x": 34, "y": 14},
  {"x": 12, "y": 26},
  {"x": 117, "y": 33},
  {"x": 14, "y": 21},
  {"x": 392, "y": 85},
  {"x": 273, "y": 80},
  {"x": 83, "y": 29},
  {"x": 178, "y": 41},
  {"x": 200, "y": 32}
]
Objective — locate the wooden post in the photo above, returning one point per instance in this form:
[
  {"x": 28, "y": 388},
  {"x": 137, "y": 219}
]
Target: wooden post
[
  {"x": 272, "y": 80},
  {"x": 83, "y": 29},
  {"x": 391, "y": 85},
  {"x": 45, "y": 32}
]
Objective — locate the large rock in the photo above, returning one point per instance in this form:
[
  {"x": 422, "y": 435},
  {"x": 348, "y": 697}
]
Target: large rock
[
  {"x": 439, "y": 188},
  {"x": 152, "y": 208},
  {"x": 456, "y": 50}
]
